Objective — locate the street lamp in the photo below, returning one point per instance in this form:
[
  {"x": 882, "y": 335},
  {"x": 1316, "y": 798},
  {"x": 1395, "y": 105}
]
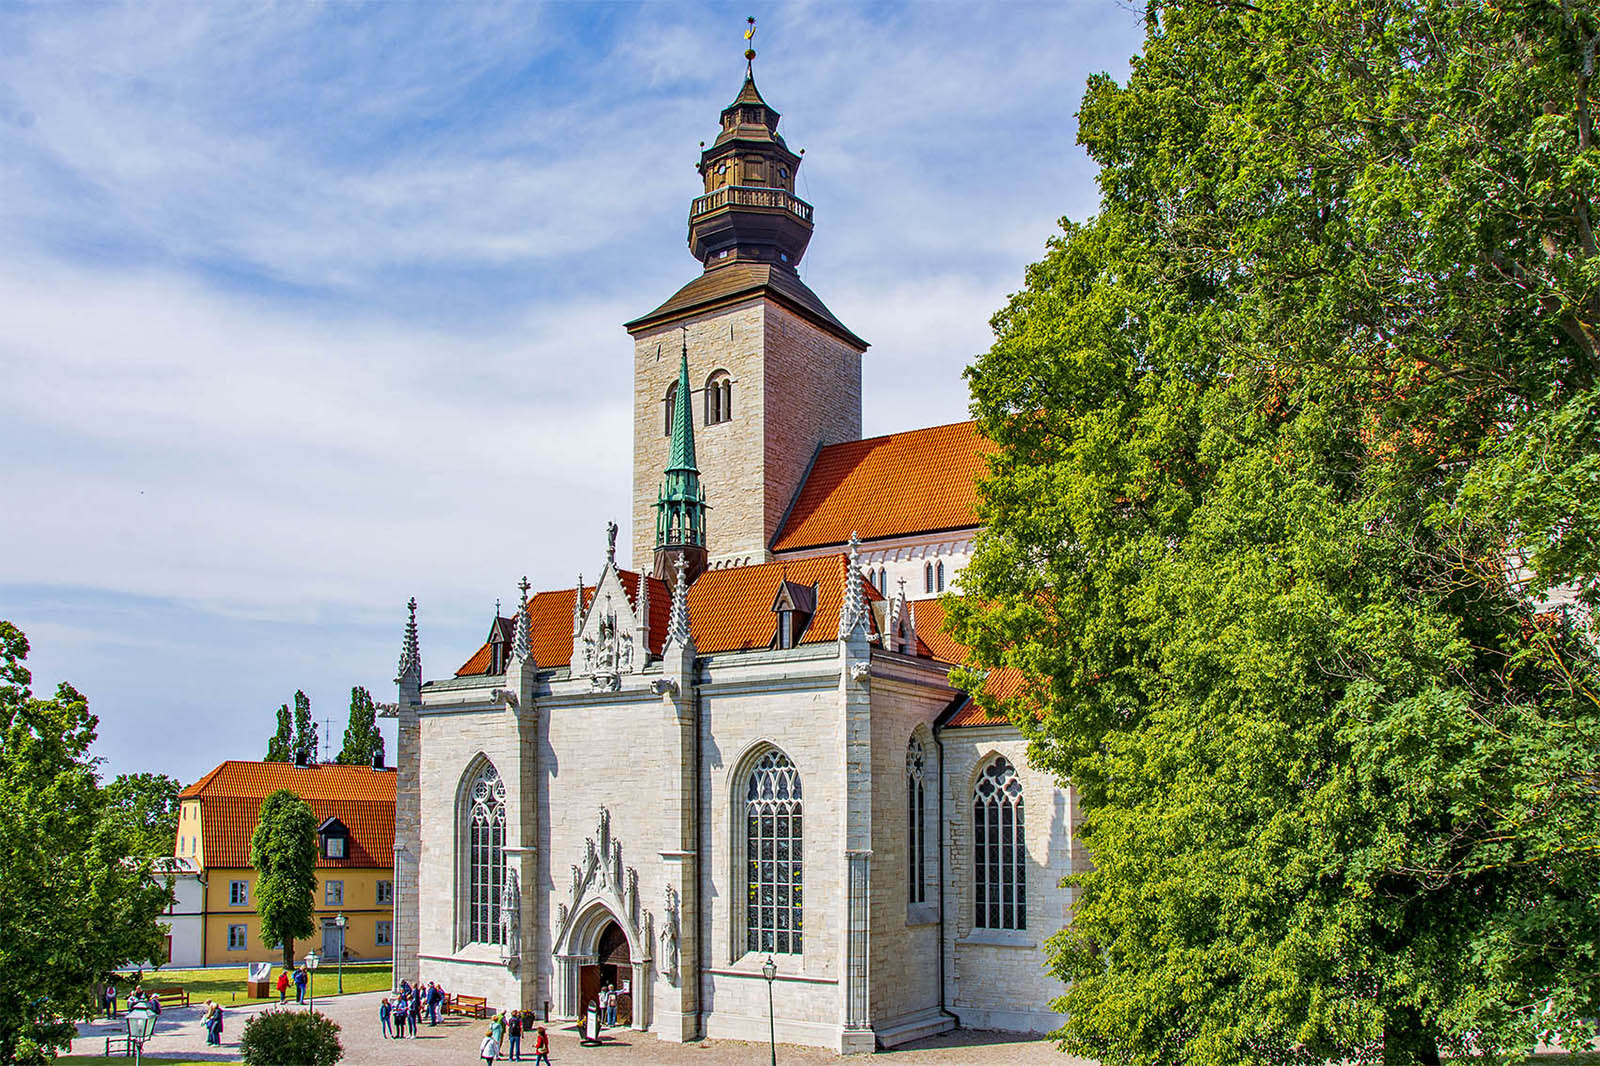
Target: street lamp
[
  {"x": 312, "y": 961},
  {"x": 141, "y": 1026},
  {"x": 341, "y": 921},
  {"x": 769, "y": 970}
]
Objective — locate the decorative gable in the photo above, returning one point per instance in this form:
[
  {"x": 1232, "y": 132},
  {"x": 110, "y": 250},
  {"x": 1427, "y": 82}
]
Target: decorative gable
[{"x": 606, "y": 644}]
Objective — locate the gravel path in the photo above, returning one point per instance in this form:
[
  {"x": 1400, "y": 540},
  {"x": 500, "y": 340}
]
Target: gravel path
[{"x": 456, "y": 1040}]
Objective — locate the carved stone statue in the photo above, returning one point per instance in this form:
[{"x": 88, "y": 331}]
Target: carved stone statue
[
  {"x": 511, "y": 915},
  {"x": 611, "y": 542},
  {"x": 669, "y": 939}
]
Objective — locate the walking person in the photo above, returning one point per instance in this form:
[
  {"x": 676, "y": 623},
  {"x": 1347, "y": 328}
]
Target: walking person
[
  {"x": 514, "y": 1031},
  {"x": 611, "y": 1006},
  {"x": 212, "y": 1020},
  {"x": 385, "y": 1010},
  {"x": 283, "y": 985},
  {"x": 497, "y": 1028},
  {"x": 489, "y": 1049},
  {"x": 300, "y": 984},
  {"x": 414, "y": 1010},
  {"x": 110, "y": 999},
  {"x": 435, "y": 994},
  {"x": 541, "y": 1047}
]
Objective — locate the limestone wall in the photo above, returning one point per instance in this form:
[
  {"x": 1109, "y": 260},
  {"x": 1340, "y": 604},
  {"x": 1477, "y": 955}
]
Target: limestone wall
[
  {"x": 904, "y": 979},
  {"x": 996, "y": 979},
  {"x": 749, "y": 703}
]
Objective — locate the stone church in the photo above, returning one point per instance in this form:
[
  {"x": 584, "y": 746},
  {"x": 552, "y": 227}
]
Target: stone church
[{"x": 748, "y": 749}]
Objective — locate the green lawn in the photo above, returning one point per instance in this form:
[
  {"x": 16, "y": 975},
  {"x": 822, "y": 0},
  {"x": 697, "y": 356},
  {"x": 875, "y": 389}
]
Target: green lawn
[
  {"x": 101, "y": 1060},
  {"x": 226, "y": 986}
]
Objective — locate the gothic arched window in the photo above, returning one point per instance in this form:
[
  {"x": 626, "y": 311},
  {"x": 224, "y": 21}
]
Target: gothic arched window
[
  {"x": 485, "y": 833},
  {"x": 719, "y": 398},
  {"x": 999, "y": 856},
  {"x": 916, "y": 823},
  {"x": 671, "y": 404},
  {"x": 773, "y": 882},
  {"x": 927, "y": 577},
  {"x": 938, "y": 575}
]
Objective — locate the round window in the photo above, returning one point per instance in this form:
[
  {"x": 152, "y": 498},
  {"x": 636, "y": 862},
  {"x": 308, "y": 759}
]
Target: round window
[
  {"x": 783, "y": 172},
  {"x": 723, "y": 169}
]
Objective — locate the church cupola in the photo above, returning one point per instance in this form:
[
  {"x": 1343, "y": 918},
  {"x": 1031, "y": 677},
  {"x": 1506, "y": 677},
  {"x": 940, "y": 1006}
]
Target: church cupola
[
  {"x": 749, "y": 211},
  {"x": 681, "y": 503}
]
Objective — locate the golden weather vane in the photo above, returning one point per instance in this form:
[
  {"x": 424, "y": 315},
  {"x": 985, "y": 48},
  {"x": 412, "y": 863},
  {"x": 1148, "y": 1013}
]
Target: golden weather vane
[{"x": 749, "y": 52}]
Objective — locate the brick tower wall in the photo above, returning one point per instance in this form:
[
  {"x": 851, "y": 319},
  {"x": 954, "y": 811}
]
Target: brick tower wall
[{"x": 794, "y": 387}]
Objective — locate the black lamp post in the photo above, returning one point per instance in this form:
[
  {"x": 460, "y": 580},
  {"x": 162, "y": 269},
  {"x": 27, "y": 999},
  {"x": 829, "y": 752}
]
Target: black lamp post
[
  {"x": 141, "y": 1025},
  {"x": 341, "y": 921},
  {"x": 769, "y": 970},
  {"x": 312, "y": 960}
]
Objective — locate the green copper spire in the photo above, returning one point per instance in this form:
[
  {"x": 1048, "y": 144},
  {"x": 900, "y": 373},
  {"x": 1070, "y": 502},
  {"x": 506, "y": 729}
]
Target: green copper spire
[
  {"x": 681, "y": 503},
  {"x": 682, "y": 457}
]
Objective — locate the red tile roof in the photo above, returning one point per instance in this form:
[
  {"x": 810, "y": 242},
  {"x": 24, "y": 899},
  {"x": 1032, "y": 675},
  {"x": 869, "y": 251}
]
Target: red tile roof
[
  {"x": 1003, "y": 683},
  {"x": 731, "y": 609},
  {"x": 550, "y": 624},
  {"x": 230, "y": 802},
  {"x": 920, "y": 481}
]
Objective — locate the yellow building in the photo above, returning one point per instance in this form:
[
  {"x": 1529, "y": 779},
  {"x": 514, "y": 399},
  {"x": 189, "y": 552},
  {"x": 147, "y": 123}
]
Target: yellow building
[{"x": 354, "y": 807}]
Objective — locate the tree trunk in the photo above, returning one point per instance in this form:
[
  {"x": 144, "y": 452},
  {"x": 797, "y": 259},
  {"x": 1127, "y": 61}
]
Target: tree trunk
[
  {"x": 1407, "y": 1041},
  {"x": 288, "y": 955}
]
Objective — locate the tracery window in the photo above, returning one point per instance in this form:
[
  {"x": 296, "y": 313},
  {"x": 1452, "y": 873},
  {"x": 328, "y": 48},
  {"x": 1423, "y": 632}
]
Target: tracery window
[
  {"x": 671, "y": 404},
  {"x": 916, "y": 823},
  {"x": 938, "y": 574},
  {"x": 999, "y": 856},
  {"x": 486, "y": 863},
  {"x": 773, "y": 862},
  {"x": 719, "y": 398},
  {"x": 883, "y": 580},
  {"x": 927, "y": 577}
]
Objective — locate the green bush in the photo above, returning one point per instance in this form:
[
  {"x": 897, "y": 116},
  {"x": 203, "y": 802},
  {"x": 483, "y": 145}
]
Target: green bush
[{"x": 290, "y": 1038}]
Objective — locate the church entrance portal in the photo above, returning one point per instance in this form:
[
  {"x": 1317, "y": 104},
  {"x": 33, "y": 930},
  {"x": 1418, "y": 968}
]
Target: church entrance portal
[{"x": 613, "y": 966}]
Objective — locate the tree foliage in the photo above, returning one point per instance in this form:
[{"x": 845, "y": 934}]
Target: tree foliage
[
  {"x": 1296, "y": 437},
  {"x": 363, "y": 741},
  {"x": 149, "y": 803},
  {"x": 290, "y": 1038},
  {"x": 74, "y": 903},
  {"x": 283, "y": 851},
  {"x": 305, "y": 730},
  {"x": 280, "y": 747}
]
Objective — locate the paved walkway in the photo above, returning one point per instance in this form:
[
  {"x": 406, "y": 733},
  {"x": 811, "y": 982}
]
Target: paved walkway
[{"x": 456, "y": 1040}]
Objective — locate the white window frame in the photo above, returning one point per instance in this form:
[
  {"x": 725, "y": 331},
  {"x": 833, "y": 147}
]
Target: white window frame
[{"x": 329, "y": 844}]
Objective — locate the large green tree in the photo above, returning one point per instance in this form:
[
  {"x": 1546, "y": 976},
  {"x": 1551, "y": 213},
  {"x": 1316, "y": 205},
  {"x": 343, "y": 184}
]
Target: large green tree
[
  {"x": 1296, "y": 437},
  {"x": 280, "y": 746},
  {"x": 149, "y": 802},
  {"x": 283, "y": 851},
  {"x": 363, "y": 741},
  {"x": 75, "y": 901}
]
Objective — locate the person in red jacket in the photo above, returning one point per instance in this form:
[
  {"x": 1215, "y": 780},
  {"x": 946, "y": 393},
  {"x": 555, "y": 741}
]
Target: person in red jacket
[{"x": 283, "y": 985}]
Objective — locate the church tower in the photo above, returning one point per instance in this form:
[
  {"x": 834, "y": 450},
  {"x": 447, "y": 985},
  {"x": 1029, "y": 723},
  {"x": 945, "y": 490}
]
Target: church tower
[{"x": 767, "y": 374}]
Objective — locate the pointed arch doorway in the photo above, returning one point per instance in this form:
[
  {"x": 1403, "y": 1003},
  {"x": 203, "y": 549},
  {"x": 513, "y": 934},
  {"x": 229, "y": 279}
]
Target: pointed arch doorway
[{"x": 613, "y": 967}]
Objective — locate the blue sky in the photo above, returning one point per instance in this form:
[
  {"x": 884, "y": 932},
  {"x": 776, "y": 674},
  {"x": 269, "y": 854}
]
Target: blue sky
[{"x": 309, "y": 308}]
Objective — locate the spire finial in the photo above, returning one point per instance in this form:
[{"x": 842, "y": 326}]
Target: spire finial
[
  {"x": 521, "y": 645},
  {"x": 853, "y": 612},
  {"x": 411, "y": 650},
  {"x": 678, "y": 623},
  {"x": 750, "y": 51},
  {"x": 577, "y": 608}
]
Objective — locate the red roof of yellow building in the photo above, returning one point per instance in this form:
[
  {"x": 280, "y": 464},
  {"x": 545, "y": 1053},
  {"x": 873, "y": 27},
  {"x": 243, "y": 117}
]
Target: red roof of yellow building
[
  {"x": 920, "y": 481},
  {"x": 230, "y": 802}
]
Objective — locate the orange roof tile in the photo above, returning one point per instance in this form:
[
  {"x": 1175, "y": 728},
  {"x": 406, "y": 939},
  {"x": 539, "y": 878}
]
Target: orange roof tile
[
  {"x": 730, "y": 609},
  {"x": 230, "y": 802},
  {"x": 550, "y": 624},
  {"x": 1002, "y": 684},
  {"x": 920, "y": 481}
]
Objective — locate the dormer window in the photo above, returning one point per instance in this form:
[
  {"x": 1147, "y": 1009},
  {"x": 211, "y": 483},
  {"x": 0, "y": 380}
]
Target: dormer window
[
  {"x": 333, "y": 839},
  {"x": 794, "y": 605}
]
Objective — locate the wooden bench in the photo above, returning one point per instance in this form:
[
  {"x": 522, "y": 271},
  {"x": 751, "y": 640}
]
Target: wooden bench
[
  {"x": 170, "y": 997},
  {"x": 473, "y": 1006},
  {"x": 119, "y": 1045}
]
